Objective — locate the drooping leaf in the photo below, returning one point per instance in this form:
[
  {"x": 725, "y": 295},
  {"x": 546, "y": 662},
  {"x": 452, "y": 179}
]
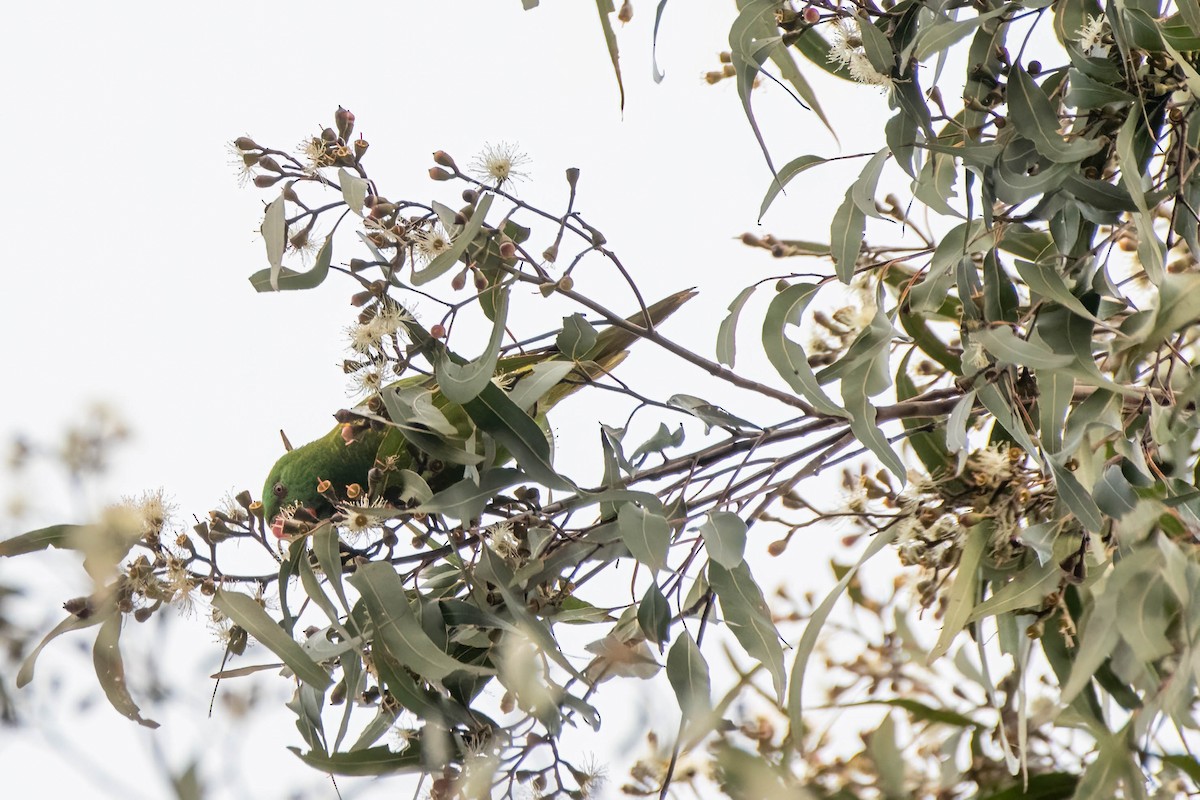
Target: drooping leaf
[
  {"x": 274, "y": 233},
  {"x": 846, "y": 237},
  {"x": 646, "y": 534},
  {"x": 687, "y": 671},
  {"x": 788, "y": 357},
  {"x": 461, "y": 382},
  {"x": 605, "y": 8},
  {"x": 110, "y": 671},
  {"x": 354, "y": 190},
  {"x": 466, "y": 499},
  {"x": 504, "y": 420},
  {"x": 964, "y": 592},
  {"x": 724, "y": 535},
  {"x": 727, "y": 332},
  {"x": 790, "y": 170},
  {"x": 749, "y": 618},
  {"x": 654, "y": 614}
]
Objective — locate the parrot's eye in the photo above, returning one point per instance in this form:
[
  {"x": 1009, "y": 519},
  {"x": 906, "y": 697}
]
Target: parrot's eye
[{"x": 279, "y": 490}]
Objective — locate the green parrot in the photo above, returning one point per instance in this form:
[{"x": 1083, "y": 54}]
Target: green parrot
[{"x": 346, "y": 454}]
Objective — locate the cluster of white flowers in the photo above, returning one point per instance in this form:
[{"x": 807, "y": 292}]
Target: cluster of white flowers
[
  {"x": 500, "y": 536},
  {"x": 847, "y": 49},
  {"x": 152, "y": 510},
  {"x": 500, "y": 163},
  {"x": 358, "y": 522},
  {"x": 1091, "y": 36},
  {"x": 431, "y": 242},
  {"x": 389, "y": 319}
]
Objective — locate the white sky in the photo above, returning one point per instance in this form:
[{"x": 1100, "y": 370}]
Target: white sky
[{"x": 128, "y": 245}]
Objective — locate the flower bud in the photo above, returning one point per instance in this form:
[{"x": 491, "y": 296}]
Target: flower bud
[
  {"x": 459, "y": 281},
  {"x": 812, "y": 16},
  {"x": 481, "y": 281},
  {"x": 344, "y": 121},
  {"x": 246, "y": 143},
  {"x": 1034, "y": 68},
  {"x": 438, "y": 331},
  {"x": 728, "y": 70},
  {"x": 550, "y": 253},
  {"x": 80, "y": 607},
  {"x": 777, "y": 547},
  {"x": 572, "y": 176},
  {"x": 289, "y": 193},
  {"x": 439, "y": 174},
  {"x": 443, "y": 159},
  {"x": 266, "y": 181},
  {"x": 470, "y": 196},
  {"x": 626, "y": 12},
  {"x": 508, "y": 249},
  {"x": 725, "y": 57},
  {"x": 269, "y": 164},
  {"x": 714, "y": 77},
  {"x": 565, "y": 284}
]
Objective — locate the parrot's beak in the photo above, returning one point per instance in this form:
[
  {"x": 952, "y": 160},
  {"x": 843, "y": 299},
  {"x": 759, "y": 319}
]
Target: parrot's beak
[{"x": 277, "y": 527}]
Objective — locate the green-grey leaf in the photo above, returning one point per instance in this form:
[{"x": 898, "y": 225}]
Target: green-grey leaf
[
  {"x": 724, "y": 535},
  {"x": 354, "y": 190},
  {"x": 368, "y": 761},
  {"x": 397, "y": 627},
  {"x": 687, "y": 672},
  {"x": 654, "y": 614},
  {"x": 58, "y": 536},
  {"x": 462, "y": 382},
  {"x": 964, "y": 593},
  {"x": 646, "y": 534},
  {"x": 110, "y": 671},
  {"x": 749, "y": 618},
  {"x": 499, "y": 416},
  {"x": 576, "y": 338},
  {"x": 1036, "y": 119},
  {"x": 788, "y": 357},
  {"x": 71, "y": 623},
  {"x": 936, "y": 38},
  {"x": 846, "y": 236},
  {"x": 1003, "y": 343},
  {"x": 789, "y": 171},
  {"x": 711, "y": 415},
  {"x": 274, "y": 233},
  {"x": 284, "y": 279},
  {"x": 727, "y": 332},
  {"x": 465, "y": 500}
]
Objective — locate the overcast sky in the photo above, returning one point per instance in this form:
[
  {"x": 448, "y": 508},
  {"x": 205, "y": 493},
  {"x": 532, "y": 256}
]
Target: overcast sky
[{"x": 129, "y": 242}]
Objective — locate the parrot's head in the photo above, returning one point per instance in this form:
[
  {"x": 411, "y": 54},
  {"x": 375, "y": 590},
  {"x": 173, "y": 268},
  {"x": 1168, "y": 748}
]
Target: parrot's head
[
  {"x": 290, "y": 483},
  {"x": 342, "y": 457}
]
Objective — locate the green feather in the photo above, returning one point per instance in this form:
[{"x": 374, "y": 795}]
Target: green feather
[{"x": 296, "y": 475}]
